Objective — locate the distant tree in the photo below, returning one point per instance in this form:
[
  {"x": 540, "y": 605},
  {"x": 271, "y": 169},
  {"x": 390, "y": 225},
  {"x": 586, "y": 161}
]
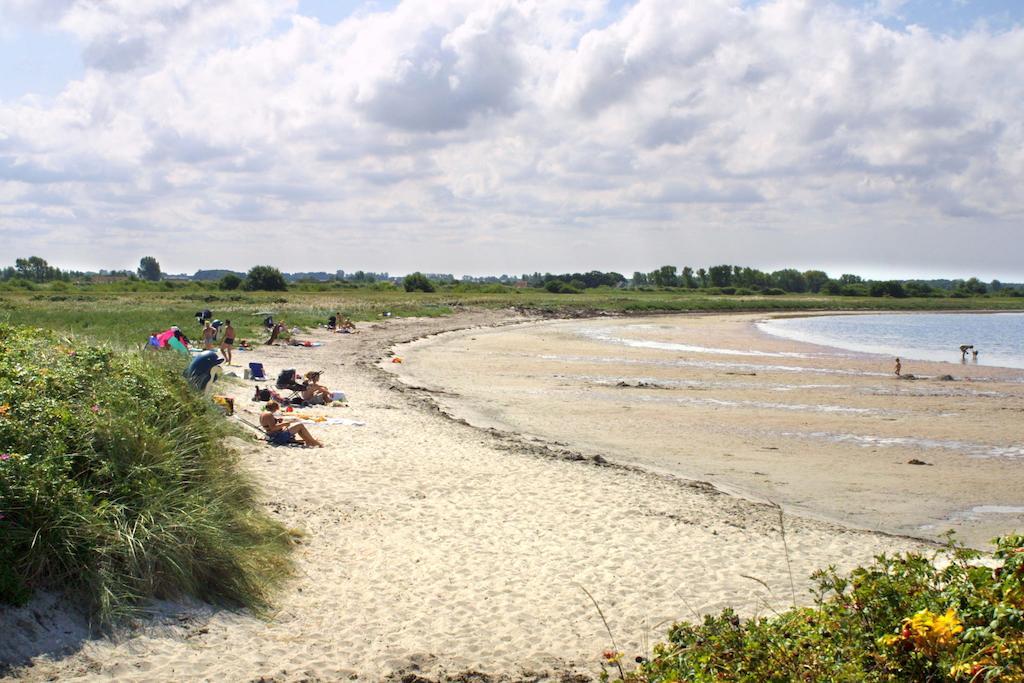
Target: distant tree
[
  {"x": 688, "y": 280},
  {"x": 264, "y": 278},
  {"x": 815, "y": 280},
  {"x": 417, "y": 282},
  {"x": 149, "y": 269},
  {"x": 36, "y": 269},
  {"x": 973, "y": 286},
  {"x": 703, "y": 276},
  {"x": 639, "y": 279},
  {"x": 995, "y": 286},
  {"x": 893, "y": 288},
  {"x": 918, "y": 289},
  {"x": 790, "y": 280},
  {"x": 721, "y": 276},
  {"x": 229, "y": 282},
  {"x": 665, "y": 277},
  {"x": 848, "y": 279}
]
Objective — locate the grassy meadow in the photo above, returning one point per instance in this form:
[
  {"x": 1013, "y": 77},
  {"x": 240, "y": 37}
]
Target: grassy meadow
[{"x": 127, "y": 314}]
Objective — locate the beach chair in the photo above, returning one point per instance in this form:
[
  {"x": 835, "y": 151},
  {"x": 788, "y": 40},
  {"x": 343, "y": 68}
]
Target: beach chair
[
  {"x": 286, "y": 381},
  {"x": 266, "y": 435},
  {"x": 257, "y": 372}
]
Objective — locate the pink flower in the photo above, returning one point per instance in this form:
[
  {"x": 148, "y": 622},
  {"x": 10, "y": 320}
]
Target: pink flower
[
  {"x": 95, "y": 408},
  {"x": 5, "y": 456}
]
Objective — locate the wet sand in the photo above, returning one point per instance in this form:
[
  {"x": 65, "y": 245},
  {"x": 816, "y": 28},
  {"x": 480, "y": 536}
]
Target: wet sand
[{"x": 826, "y": 433}]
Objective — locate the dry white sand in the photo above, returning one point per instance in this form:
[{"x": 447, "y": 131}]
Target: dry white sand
[{"x": 436, "y": 548}]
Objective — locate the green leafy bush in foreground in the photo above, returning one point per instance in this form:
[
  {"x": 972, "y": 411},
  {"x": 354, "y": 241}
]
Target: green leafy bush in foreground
[
  {"x": 908, "y": 618},
  {"x": 114, "y": 485}
]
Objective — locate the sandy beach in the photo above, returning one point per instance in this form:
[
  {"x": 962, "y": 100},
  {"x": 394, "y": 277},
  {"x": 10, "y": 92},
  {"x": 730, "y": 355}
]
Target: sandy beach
[
  {"x": 435, "y": 549},
  {"x": 825, "y": 432}
]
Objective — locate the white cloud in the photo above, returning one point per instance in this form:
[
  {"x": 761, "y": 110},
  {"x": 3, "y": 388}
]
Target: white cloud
[{"x": 506, "y": 135}]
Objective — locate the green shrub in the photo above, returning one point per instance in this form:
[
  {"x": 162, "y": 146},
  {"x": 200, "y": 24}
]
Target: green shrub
[
  {"x": 264, "y": 278},
  {"x": 115, "y": 486},
  {"x": 417, "y": 282},
  {"x": 905, "y": 618},
  {"x": 773, "y": 291}
]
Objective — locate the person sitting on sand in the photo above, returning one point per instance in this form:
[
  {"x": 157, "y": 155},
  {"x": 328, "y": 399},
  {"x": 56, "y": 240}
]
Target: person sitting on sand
[
  {"x": 899, "y": 367},
  {"x": 315, "y": 393},
  {"x": 281, "y": 432},
  {"x": 345, "y": 326},
  {"x": 227, "y": 341}
]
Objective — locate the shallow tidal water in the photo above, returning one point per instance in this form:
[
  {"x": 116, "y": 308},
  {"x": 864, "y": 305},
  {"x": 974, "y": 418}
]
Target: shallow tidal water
[{"x": 998, "y": 337}]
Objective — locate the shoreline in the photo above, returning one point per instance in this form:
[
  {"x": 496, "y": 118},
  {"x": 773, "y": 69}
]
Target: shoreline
[
  {"x": 434, "y": 549},
  {"x": 918, "y": 354},
  {"x": 717, "y": 396}
]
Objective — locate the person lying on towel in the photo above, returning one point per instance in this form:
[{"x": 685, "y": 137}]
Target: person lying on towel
[{"x": 282, "y": 432}]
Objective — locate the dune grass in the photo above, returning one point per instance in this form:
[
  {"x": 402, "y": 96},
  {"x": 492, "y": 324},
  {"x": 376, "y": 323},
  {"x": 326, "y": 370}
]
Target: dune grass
[{"x": 115, "y": 485}]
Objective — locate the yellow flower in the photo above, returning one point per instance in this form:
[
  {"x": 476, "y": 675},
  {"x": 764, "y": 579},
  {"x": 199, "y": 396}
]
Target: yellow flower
[{"x": 930, "y": 632}]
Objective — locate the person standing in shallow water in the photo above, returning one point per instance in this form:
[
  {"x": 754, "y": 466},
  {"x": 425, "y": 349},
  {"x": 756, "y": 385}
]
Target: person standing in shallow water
[{"x": 899, "y": 367}]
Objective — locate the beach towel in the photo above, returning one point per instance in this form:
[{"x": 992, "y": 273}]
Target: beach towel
[
  {"x": 163, "y": 337},
  {"x": 176, "y": 344},
  {"x": 320, "y": 419}
]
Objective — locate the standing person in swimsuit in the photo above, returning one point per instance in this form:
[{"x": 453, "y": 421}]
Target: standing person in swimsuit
[
  {"x": 209, "y": 335},
  {"x": 228, "y": 341},
  {"x": 899, "y": 367}
]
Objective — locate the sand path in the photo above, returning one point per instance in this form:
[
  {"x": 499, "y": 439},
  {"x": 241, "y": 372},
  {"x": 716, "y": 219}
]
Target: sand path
[{"x": 433, "y": 548}]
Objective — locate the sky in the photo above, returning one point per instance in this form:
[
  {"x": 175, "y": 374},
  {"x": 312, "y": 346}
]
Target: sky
[{"x": 877, "y": 137}]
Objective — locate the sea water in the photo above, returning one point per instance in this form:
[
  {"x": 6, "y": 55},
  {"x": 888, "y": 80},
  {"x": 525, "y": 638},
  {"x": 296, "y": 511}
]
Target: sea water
[{"x": 998, "y": 337}]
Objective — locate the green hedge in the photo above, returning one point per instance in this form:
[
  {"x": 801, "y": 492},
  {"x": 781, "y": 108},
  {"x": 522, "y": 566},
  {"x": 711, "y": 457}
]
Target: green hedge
[{"x": 115, "y": 486}]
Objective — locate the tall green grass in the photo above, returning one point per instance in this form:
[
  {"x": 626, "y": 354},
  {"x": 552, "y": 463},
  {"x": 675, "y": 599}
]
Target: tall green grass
[
  {"x": 115, "y": 486},
  {"x": 127, "y": 318}
]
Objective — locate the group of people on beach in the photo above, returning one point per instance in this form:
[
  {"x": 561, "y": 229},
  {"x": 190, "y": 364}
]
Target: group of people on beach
[
  {"x": 341, "y": 324},
  {"x": 964, "y": 348},
  {"x": 225, "y": 332},
  {"x": 282, "y": 431},
  {"x": 279, "y": 430}
]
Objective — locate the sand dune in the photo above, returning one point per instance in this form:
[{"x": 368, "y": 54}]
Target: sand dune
[{"x": 433, "y": 547}]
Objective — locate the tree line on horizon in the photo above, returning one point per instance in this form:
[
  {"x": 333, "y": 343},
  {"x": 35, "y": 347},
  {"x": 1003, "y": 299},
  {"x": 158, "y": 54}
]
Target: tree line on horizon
[{"x": 720, "y": 279}]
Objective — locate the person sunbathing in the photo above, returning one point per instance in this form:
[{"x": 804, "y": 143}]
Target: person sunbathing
[
  {"x": 315, "y": 393},
  {"x": 281, "y": 432}
]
